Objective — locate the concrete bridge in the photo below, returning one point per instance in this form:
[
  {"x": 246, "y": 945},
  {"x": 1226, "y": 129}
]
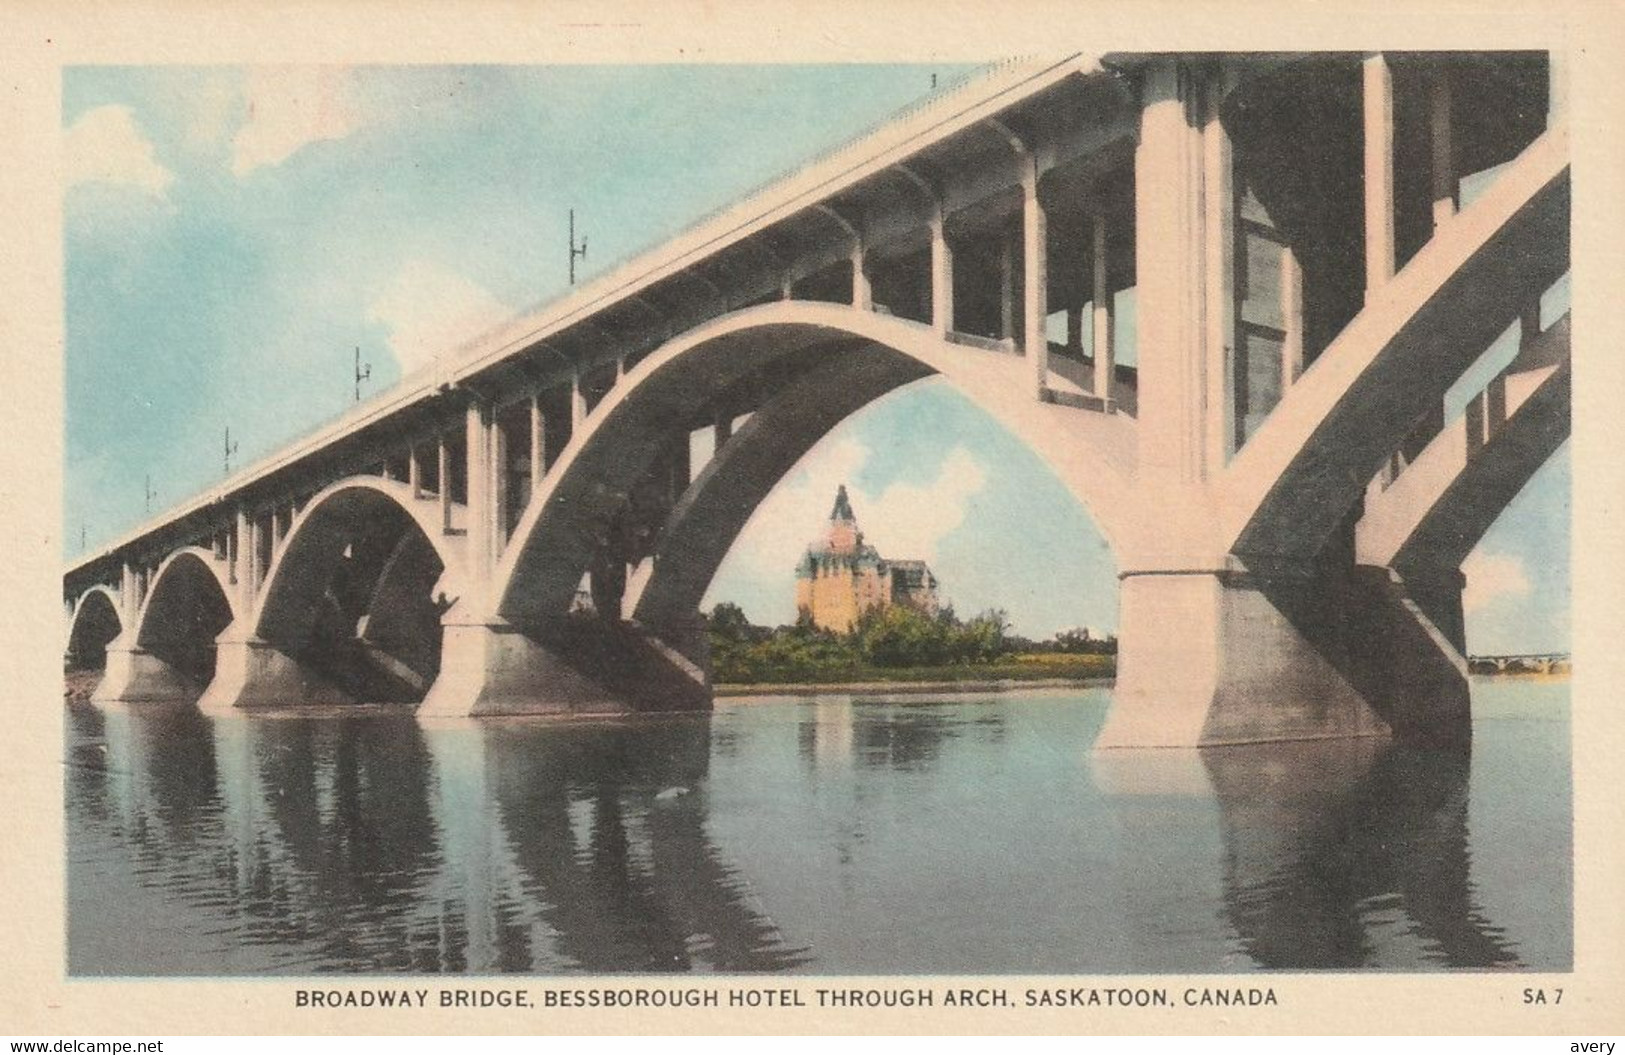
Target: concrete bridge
[
  {"x": 1269, "y": 458},
  {"x": 1523, "y": 663}
]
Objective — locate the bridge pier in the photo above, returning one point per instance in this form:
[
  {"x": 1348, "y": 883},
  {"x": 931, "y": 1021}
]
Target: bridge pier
[
  {"x": 251, "y": 672},
  {"x": 1212, "y": 658},
  {"x": 585, "y": 666},
  {"x": 1209, "y": 658},
  {"x": 135, "y": 675}
]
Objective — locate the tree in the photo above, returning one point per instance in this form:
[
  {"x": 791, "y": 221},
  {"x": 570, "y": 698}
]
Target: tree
[
  {"x": 901, "y": 636},
  {"x": 729, "y": 623},
  {"x": 983, "y": 639}
]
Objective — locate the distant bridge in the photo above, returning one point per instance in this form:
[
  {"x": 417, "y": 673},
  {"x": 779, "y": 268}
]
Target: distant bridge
[
  {"x": 1533, "y": 662},
  {"x": 1269, "y": 460}
]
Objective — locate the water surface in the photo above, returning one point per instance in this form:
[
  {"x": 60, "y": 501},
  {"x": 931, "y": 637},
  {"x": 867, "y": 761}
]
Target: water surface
[{"x": 828, "y": 835}]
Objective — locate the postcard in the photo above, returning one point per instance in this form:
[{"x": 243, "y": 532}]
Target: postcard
[{"x": 1069, "y": 518}]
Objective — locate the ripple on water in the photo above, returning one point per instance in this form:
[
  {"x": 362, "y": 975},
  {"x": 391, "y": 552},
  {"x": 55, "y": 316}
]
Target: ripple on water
[{"x": 836, "y": 834}]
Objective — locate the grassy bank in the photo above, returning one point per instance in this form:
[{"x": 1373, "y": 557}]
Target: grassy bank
[{"x": 1033, "y": 667}]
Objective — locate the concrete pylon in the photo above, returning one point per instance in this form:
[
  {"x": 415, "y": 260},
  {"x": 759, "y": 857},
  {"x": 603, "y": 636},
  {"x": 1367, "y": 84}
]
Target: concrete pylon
[
  {"x": 135, "y": 675},
  {"x": 1238, "y": 656},
  {"x": 488, "y": 666},
  {"x": 1216, "y": 647},
  {"x": 1233, "y": 656},
  {"x": 251, "y": 672}
]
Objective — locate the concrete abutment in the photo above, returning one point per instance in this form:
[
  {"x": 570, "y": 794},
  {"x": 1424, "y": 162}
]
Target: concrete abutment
[
  {"x": 492, "y": 667},
  {"x": 1214, "y": 658},
  {"x": 251, "y": 672},
  {"x": 136, "y": 675},
  {"x": 1229, "y": 657},
  {"x": 1209, "y": 658}
]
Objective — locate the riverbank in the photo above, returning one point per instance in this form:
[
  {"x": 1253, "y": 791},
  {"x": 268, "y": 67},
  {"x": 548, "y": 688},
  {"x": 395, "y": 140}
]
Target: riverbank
[
  {"x": 900, "y": 688},
  {"x": 1040, "y": 670}
]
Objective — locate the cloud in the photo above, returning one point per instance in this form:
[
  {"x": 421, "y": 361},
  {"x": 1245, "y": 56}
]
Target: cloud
[
  {"x": 212, "y": 104},
  {"x": 288, "y": 108},
  {"x": 105, "y": 145},
  {"x": 909, "y": 520},
  {"x": 430, "y": 309},
  {"x": 1491, "y": 577},
  {"x": 903, "y": 521}
]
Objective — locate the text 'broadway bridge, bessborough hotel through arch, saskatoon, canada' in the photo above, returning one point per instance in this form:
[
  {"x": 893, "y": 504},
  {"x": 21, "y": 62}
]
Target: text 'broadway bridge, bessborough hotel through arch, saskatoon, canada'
[{"x": 1271, "y": 465}]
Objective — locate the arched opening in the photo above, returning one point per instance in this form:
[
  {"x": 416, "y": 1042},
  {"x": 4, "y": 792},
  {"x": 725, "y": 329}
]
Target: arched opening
[
  {"x": 648, "y": 526},
  {"x": 918, "y": 500},
  {"x": 95, "y": 625},
  {"x": 357, "y": 595},
  {"x": 185, "y": 612}
]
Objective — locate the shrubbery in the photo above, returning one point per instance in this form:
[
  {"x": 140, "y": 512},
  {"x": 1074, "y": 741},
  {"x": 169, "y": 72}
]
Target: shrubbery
[{"x": 893, "y": 637}]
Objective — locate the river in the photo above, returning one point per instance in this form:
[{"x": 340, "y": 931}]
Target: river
[{"x": 830, "y": 835}]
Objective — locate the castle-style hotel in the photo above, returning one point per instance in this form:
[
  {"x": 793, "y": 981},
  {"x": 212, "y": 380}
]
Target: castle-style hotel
[{"x": 841, "y": 576}]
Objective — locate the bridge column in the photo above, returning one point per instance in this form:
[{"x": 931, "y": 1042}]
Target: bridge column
[
  {"x": 1007, "y": 290},
  {"x": 1557, "y": 87},
  {"x": 1230, "y": 656},
  {"x": 1446, "y": 187},
  {"x": 132, "y": 673},
  {"x": 578, "y": 402},
  {"x": 1183, "y": 242},
  {"x": 863, "y": 297},
  {"x": 1281, "y": 652},
  {"x": 129, "y": 594},
  {"x": 135, "y": 675},
  {"x": 482, "y": 503},
  {"x": 1215, "y": 648},
  {"x": 1034, "y": 339},
  {"x": 538, "y": 436},
  {"x": 246, "y": 564},
  {"x": 942, "y": 274},
  {"x": 1103, "y": 317},
  {"x": 1379, "y": 173},
  {"x": 443, "y": 478},
  {"x": 496, "y": 460}
]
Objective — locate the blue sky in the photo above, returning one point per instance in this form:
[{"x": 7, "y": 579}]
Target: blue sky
[{"x": 234, "y": 234}]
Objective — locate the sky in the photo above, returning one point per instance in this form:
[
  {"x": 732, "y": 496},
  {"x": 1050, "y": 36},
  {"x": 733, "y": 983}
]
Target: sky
[{"x": 233, "y": 235}]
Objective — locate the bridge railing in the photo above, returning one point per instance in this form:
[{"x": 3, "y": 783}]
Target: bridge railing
[{"x": 942, "y": 96}]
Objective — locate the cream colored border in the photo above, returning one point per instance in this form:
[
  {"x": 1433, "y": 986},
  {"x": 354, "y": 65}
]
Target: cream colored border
[{"x": 36, "y": 40}]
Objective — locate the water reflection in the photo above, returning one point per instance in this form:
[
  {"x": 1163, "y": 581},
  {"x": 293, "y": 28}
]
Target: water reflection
[
  {"x": 833, "y": 835},
  {"x": 596, "y": 834},
  {"x": 325, "y": 834},
  {"x": 1332, "y": 855},
  {"x": 893, "y": 733},
  {"x": 1331, "y": 859}
]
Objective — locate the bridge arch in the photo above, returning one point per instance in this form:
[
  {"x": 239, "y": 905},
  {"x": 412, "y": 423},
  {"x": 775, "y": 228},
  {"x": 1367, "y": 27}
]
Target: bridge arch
[
  {"x": 814, "y": 364},
  {"x": 95, "y": 623},
  {"x": 358, "y": 588},
  {"x": 191, "y": 601},
  {"x": 1295, "y": 482}
]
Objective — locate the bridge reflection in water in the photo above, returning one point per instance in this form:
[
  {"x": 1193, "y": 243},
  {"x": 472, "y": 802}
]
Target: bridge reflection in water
[{"x": 827, "y": 835}]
